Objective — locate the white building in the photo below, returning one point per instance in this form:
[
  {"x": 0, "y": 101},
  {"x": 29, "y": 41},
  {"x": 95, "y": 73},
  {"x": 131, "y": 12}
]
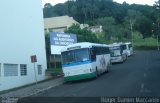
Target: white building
[
  {"x": 58, "y": 24},
  {"x": 21, "y": 35},
  {"x": 96, "y": 29}
]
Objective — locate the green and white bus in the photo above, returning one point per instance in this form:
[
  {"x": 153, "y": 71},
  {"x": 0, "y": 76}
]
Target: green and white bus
[
  {"x": 118, "y": 52},
  {"x": 84, "y": 60}
]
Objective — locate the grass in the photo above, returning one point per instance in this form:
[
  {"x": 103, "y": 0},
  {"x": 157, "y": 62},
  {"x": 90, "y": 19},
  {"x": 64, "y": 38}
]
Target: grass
[
  {"x": 144, "y": 44},
  {"x": 55, "y": 70}
]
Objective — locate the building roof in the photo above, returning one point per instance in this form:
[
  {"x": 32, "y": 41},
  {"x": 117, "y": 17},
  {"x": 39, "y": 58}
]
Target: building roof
[{"x": 58, "y": 22}]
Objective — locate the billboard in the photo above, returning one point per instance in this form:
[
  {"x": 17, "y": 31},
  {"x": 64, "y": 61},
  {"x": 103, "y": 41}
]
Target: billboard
[{"x": 59, "y": 40}]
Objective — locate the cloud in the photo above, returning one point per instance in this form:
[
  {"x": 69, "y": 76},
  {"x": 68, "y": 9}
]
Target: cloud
[{"x": 53, "y": 2}]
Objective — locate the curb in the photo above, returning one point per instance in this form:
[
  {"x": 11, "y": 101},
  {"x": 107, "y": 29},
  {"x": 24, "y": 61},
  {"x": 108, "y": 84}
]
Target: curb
[
  {"x": 33, "y": 90},
  {"x": 42, "y": 90}
]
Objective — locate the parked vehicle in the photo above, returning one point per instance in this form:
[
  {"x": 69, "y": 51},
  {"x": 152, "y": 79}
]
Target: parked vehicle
[
  {"x": 85, "y": 60},
  {"x": 118, "y": 52},
  {"x": 129, "y": 48}
]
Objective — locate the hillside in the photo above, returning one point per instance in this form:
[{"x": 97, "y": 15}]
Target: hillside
[{"x": 120, "y": 21}]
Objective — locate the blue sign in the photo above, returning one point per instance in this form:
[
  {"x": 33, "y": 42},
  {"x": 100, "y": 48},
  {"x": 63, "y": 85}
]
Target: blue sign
[{"x": 62, "y": 39}]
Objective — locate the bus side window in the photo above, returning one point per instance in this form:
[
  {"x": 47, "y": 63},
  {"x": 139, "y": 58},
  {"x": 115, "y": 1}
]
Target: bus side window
[
  {"x": 93, "y": 54},
  {"x": 130, "y": 46}
]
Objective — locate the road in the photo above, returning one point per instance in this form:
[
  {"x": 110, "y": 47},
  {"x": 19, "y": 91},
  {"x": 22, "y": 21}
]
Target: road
[{"x": 139, "y": 76}]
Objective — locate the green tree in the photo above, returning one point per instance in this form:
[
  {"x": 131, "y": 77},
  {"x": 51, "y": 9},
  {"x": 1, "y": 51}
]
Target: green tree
[
  {"x": 108, "y": 24},
  {"x": 48, "y": 11},
  {"x": 83, "y": 35},
  {"x": 48, "y": 49},
  {"x": 118, "y": 19},
  {"x": 144, "y": 25},
  {"x": 156, "y": 22}
]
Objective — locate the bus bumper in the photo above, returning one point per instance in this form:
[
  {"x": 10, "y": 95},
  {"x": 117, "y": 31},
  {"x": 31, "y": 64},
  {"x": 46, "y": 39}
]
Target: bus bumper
[
  {"x": 80, "y": 77},
  {"x": 116, "y": 60}
]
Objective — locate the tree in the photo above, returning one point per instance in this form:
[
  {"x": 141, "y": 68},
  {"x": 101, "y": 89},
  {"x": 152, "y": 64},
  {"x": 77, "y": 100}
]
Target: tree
[
  {"x": 83, "y": 35},
  {"x": 117, "y": 19},
  {"x": 156, "y": 23},
  {"x": 47, "y": 10},
  {"x": 144, "y": 26},
  {"x": 129, "y": 23},
  {"x": 48, "y": 49}
]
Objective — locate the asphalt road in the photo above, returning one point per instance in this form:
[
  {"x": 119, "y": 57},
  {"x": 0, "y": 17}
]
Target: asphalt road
[{"x": 139, "y": 76}]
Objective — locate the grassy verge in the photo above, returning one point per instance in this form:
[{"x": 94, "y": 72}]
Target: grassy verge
[
  {"x": 144, "y": 44},
  {"x": 55, "y": 70}
]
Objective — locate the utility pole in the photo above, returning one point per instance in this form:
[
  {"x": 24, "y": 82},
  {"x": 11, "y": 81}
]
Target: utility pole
[
  {"x": 131, "y": 24},
  {"x": 158, "y": 26},
  {"x": 158, "y": 36},
  {"x": 157, "y": 7}
]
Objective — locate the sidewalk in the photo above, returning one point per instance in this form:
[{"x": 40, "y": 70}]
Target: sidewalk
[{"x": 34, "y": 89}]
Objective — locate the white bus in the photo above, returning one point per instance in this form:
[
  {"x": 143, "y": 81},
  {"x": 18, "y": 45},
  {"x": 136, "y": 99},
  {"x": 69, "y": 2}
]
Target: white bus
[
  {"x": 129, "y": 48},
  {"x": 84, "y": 60},
  {"x": 118, "y": 52}
]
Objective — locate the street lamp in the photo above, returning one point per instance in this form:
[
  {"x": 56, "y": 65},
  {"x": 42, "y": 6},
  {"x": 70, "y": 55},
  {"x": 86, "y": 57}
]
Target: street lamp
[
  {"x": 158, "y": 8},
  {"x": 158, "y": 37},
  {"x": 131, "y": 24}
]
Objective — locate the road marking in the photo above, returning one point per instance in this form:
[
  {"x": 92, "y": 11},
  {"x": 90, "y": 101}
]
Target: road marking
[
  {"x": 144, "y": 90},
  {"x": 145, "y": 75},
  {"x": 147, "y": 91},
  {"x": 142, "y": 87},
  {"x": 147, "y": 61}
]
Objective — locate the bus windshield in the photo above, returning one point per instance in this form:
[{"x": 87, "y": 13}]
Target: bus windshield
[
  {"x": 130, "y": 46},
  {"x": 79, "y": 55},
  {"x": 115, "y": 51}
]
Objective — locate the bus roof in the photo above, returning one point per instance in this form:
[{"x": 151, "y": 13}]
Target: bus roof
[
  {"x": 116, "y": 44},
  {"x": 128, "y": 43},
  {"x": 82, "y": 45}
]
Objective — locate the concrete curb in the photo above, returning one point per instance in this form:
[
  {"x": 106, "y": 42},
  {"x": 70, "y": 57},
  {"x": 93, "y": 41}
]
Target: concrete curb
[
  {"x": 34, "y": 89},
  {"x": 43, "y": 90}
]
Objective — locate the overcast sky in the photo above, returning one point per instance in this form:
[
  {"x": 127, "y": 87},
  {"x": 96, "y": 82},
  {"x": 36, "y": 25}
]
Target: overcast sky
[{"x": 149, "y": 2}]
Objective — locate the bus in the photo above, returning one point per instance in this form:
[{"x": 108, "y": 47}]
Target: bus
[
  {"x": 84, "y": 60},
  {"x": 118, "y": 52},
  {"x": 129, "y": 48}
]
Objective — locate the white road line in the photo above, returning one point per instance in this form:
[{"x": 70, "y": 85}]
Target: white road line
[
  {"x": 145, "y": 75},
  {"x": 142, "y": 88}
]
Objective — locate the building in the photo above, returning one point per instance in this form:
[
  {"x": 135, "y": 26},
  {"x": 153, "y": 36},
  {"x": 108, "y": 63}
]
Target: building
[
  {"x": 82, "y": 26},
  {"x": 21, "y": 35},
  {"x": 58, "y": 24},
  {"x": 96, "y": 29}
]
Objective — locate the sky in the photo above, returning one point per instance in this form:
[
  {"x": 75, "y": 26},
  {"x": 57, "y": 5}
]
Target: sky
[{"x": 149, "y": 2}]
